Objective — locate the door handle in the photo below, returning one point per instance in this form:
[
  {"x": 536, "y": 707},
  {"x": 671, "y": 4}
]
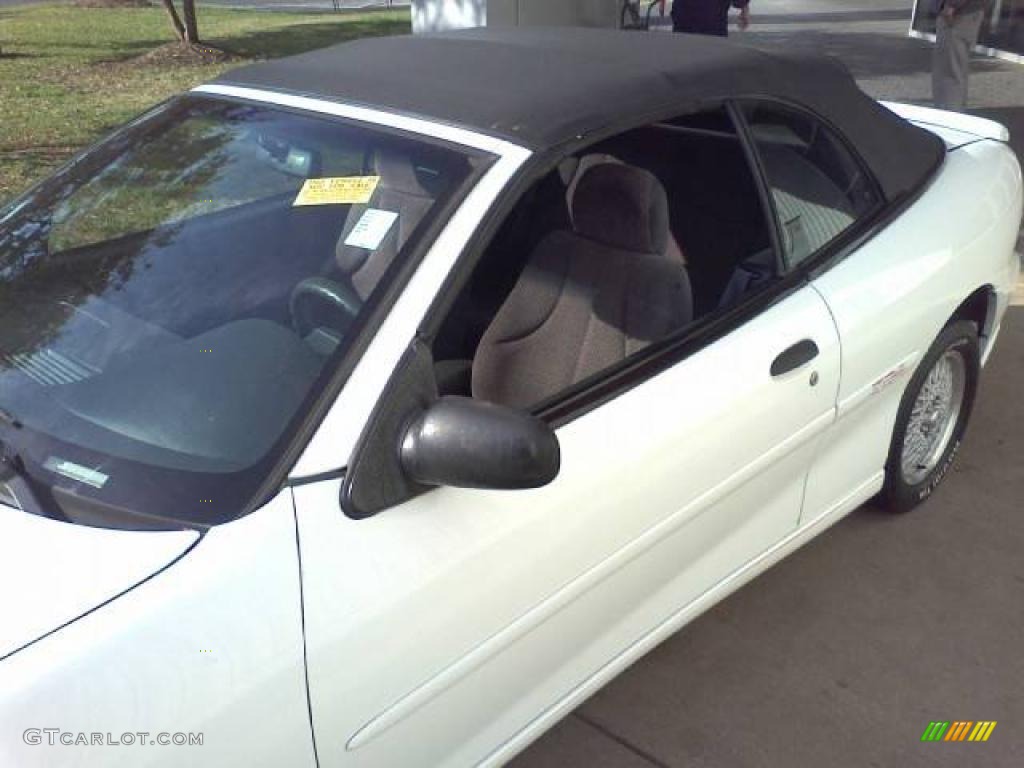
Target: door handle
[{"x": 794, "y": 357}]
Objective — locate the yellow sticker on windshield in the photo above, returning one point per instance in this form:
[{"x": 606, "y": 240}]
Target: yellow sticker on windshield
[{"x": 337, "y": 190}]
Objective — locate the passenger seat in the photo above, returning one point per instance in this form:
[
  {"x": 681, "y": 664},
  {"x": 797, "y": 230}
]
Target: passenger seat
[{"x": 399, "y": 191}]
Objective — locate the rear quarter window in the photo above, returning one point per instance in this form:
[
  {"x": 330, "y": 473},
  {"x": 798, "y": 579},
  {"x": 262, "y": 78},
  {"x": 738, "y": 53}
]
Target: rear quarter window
[{"x": 819, "y": 188}]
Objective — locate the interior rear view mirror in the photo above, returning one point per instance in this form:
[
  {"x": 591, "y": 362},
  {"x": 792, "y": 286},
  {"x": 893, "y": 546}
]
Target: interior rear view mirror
[{"x": 289, "y": 158}]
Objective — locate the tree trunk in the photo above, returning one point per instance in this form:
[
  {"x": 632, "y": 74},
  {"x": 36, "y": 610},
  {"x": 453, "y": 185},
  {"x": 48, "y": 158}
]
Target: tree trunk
[
  {"x": 172, "y": 14},
  {"x": 188, "y": 10}
]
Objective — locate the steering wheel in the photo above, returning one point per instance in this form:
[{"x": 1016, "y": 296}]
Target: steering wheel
[{"x": 341, "y": 300}]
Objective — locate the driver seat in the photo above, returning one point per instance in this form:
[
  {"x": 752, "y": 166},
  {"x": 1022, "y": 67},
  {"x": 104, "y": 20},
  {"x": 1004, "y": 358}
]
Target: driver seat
[
  {"x": 398, "y": 191},
  {"x": 589, "y": 297}
]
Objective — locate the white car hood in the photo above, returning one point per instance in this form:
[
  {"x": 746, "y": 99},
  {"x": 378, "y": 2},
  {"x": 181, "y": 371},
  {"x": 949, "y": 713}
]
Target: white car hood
[{"x": 52, "y": 572}]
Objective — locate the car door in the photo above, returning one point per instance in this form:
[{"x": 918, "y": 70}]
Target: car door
[
  {"x": 825, "y": 197},
  {"x": 439, "y": 628}
]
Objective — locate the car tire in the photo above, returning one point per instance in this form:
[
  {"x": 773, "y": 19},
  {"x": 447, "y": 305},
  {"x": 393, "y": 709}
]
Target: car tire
[{"x": 932, "y": 417}]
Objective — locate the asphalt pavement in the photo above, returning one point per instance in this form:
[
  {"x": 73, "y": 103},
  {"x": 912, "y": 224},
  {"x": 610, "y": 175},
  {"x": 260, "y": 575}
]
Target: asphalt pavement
[
  {"x": 843, "y": 653},
  {"x": 870, "y": 37}
]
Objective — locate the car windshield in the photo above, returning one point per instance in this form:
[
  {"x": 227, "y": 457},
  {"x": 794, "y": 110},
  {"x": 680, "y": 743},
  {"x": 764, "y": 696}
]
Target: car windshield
[{"x": 174, "y": 301}]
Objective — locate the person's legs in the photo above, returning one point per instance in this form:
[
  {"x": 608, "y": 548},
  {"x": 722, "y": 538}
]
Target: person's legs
[
  {"x": 701, "y": 17},
  {"x": 943, "y": 81},
  {"x": 951, "y": 65},
  {"x": 720, "y": 20},
  {"x": 967, "y": 29}
]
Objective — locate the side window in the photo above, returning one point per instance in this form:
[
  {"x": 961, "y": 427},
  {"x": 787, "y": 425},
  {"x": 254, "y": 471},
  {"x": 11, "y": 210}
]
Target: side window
[
  {"x": 625, "y": 244},
  {"x": 818, "y": 186}
]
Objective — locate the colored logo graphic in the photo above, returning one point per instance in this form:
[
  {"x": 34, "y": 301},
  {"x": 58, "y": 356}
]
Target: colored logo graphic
[{"x": 959, "y": 730}]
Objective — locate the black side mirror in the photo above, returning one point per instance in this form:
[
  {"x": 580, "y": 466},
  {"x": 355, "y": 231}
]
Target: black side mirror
[{"x": 468, "y": 443}]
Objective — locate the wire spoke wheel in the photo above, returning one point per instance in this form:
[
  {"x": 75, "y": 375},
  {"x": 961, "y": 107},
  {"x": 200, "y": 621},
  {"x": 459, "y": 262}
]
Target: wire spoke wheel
[{"x": 933, "y": 417}]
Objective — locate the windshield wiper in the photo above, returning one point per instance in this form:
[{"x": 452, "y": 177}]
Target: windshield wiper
[
  {"x": 14, "y": 475},
  {"x": 9, "y": 418},
  {"x": 19, "y": 484}
]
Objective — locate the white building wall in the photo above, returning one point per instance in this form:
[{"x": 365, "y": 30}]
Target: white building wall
[{"x": 435, "y": 15}]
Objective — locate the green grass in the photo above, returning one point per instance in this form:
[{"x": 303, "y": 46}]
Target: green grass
[{"x": 67, "y": 75}]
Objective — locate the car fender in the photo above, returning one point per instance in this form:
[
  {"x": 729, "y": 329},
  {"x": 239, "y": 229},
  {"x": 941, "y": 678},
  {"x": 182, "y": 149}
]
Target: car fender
[{"x": 210, "y": 646}]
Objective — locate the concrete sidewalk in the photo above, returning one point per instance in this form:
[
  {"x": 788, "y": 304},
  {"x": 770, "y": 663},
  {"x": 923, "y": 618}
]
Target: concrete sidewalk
[{"x": 842, "y": 654}]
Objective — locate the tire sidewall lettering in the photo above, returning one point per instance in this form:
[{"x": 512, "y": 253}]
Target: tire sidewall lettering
[{"x": 939, "y": 473}]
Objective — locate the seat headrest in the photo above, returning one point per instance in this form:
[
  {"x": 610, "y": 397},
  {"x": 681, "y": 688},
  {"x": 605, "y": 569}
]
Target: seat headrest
[
  {"x": 397, "y": 172},
  {"x": 622, "y": 206},
  {"x": 398, "y": 182}
]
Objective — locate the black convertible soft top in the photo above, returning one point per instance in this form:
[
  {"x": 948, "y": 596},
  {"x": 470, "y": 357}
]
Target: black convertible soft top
[{"x": 541, "y": 87}]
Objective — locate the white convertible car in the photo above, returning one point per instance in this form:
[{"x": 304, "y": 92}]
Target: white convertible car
[{"x": 374, "y": 407}]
